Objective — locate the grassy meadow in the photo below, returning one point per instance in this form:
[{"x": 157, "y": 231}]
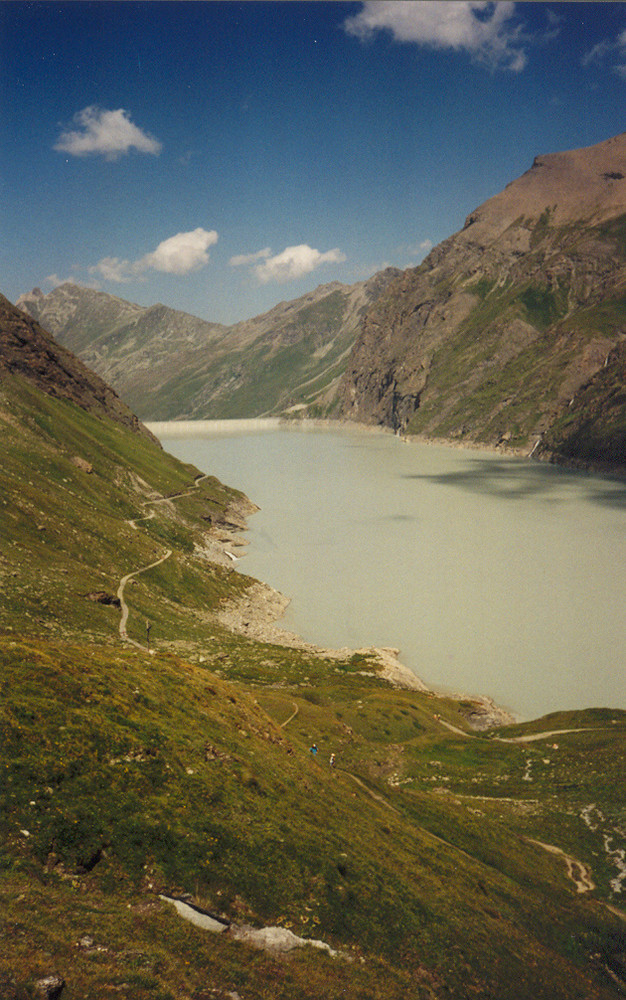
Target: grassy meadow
[{"x": 437, "y": 862}]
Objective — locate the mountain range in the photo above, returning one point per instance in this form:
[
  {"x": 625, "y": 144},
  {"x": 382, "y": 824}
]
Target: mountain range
[
  {"x": 510, "y": 334},
  {"x": 512, "y": 331},
  {"x": 168, "y": 365}
]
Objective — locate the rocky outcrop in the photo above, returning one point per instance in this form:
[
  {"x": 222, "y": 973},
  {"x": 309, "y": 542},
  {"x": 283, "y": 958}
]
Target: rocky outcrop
[
  {"x": 506, "y": 322},
  {"x": 50, "y": 987},
  {"x": 101, "y": 597},
  {"x": 591, "y": 431}
]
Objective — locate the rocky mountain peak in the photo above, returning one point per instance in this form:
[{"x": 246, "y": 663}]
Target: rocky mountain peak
[
  {"x": 582, "y": 184},
  {"x": 492, "y": 338}
]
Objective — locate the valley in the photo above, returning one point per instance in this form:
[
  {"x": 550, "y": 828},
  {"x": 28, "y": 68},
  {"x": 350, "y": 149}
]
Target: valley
[
  {"x": 312, "y": 495},
  {"x": 184, "y": 769},
  {"x": 509, "y": 335}
]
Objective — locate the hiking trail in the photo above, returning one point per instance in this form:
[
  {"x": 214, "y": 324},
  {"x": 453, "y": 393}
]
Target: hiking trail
[{"x": 129, "y": 576}]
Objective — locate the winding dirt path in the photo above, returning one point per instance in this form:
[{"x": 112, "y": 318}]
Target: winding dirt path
[
  {"x": 579, "y": 873},
  {"x": 530, "y": 738},
  {"x": 296, "y": 709},
  {"x": 123, "y": 605},
  {"x": 129, "y": 576},
  {"x": 133, "y": 521},
  {"x": 372, "y": 794}
]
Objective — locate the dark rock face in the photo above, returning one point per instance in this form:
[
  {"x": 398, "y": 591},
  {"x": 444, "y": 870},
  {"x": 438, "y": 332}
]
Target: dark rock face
[
  {"x": 28, "y": 351},
  {"x": 506, "y": 322},
  {"x": 592, "y": 430}
]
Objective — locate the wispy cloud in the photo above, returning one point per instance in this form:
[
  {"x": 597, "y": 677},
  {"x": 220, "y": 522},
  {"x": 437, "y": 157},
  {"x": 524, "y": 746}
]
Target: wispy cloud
[
  {"x": 291, "y": 263},
  {"x": 54, "y": 280},
  {"x": 489, "y": 32},
  {"x": 107, "y": 133},
  {"x": 179, "y": 254},
  {"x": 243, "y": 259},
  {"x": 612, "y": 51}
]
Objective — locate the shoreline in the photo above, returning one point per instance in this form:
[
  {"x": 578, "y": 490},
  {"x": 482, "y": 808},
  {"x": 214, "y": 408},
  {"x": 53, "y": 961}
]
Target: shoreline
[
  {"x": 255, "y": 614},
  {"x": 258, "y": 617},
  {"x": 188, "y": 428}
]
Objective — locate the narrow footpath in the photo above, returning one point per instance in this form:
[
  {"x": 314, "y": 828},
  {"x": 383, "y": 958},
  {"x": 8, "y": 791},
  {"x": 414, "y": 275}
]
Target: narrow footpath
[
  {"x": 123, "y": 605},
  {"x": 129, "y": 576},
  {"x": 530, "y": 738}
]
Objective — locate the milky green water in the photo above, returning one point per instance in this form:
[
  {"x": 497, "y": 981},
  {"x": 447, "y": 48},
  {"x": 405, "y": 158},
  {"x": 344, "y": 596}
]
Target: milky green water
[{"x": 491, "y": 575}]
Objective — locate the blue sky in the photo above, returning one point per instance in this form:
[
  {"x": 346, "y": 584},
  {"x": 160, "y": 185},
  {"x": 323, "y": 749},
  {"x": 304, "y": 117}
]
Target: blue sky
[{"x": 223, "y": 157}]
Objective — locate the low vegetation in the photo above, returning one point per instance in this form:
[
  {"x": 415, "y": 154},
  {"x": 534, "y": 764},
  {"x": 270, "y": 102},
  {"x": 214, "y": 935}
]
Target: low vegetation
[{"x": 435, "y": 860}]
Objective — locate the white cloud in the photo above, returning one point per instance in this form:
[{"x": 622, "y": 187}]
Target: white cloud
[
  {"x": 182, "y": 253},
  {"x": 110, "y": 133},
  {"x": 249, "y": 258},
  {"x": 415, "y": 249},
  {"x": 178, "y": 254},
  {"x": 291, "y": 263},
  {"x": 55, "y": 281},
  {"x": 487, "y": 31},
  {"x": 612, "y": 51},
  {"x": 598, "y": 52},
  {"x": 114, "y": 269}
]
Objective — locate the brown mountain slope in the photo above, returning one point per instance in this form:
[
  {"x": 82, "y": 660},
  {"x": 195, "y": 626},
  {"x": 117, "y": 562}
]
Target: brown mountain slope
[
  {"x": 493, "y": 336},
  {"x": 28, "y": 351}
]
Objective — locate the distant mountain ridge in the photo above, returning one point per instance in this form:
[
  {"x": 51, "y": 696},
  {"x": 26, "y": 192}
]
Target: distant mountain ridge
[
  {"x": 500, "y": 335},
  {"x": 128, "y": 345},
  {"x": 168, "y": 364}
]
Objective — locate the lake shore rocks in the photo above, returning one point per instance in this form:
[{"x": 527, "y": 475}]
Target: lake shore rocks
[{"x": 255, "y": 614}]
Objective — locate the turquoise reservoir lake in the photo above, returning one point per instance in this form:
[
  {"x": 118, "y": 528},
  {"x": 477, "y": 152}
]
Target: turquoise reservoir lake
[{"x": 491, "y": 575}]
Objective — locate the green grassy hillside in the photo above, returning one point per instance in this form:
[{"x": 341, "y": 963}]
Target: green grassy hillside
[
  {"x": 428, "y": 858},
  {"x": 291, "y": 368}
]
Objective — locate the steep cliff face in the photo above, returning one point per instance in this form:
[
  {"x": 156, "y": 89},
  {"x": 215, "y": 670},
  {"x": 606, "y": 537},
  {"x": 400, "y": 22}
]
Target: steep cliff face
[
  {"x": 493, "y": 336},
  {"x": 592, "y": 429}
]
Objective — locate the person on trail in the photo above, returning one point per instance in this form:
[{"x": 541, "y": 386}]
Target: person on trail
[
  {"x": 332, "y": 760},
  {"x": 314, "y": 749}
]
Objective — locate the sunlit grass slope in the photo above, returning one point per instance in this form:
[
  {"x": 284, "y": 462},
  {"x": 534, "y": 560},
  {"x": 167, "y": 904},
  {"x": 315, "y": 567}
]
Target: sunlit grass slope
[{"x": 126, "y": 774}]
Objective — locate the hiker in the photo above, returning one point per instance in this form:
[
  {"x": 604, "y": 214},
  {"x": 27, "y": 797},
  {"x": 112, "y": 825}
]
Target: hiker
[
  {"x": 332, "y": 760},
  {"x": 314, "y": 749}
]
